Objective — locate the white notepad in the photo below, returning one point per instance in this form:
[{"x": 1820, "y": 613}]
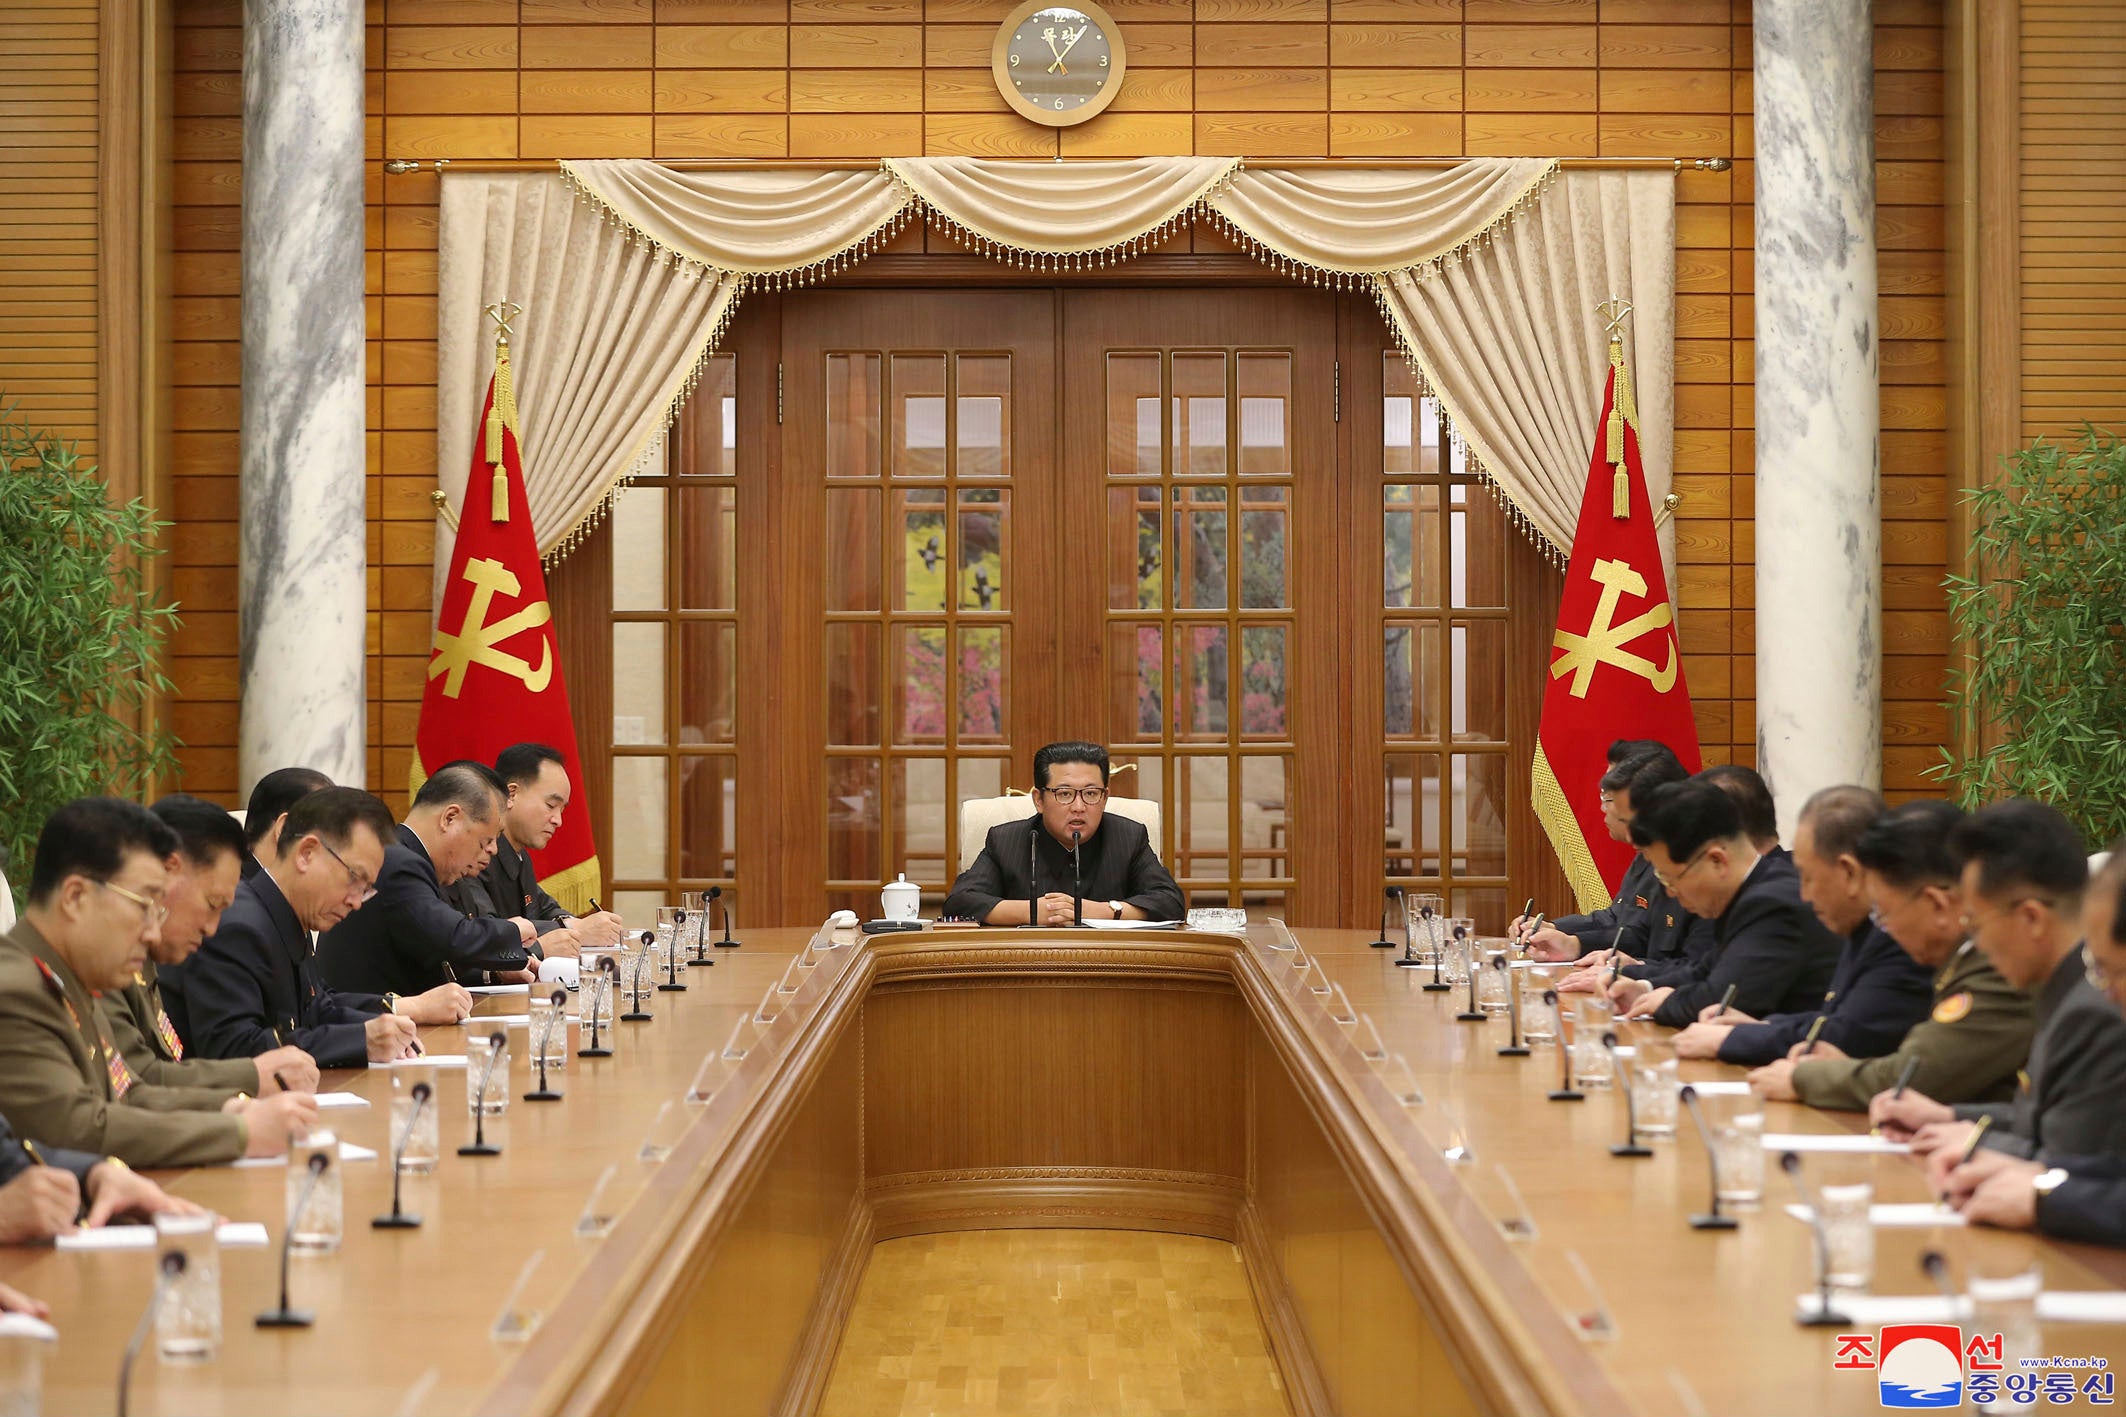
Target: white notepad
[
  {"x": 498, "y": 988},
  {"x": 348, "y": 1152},
  {"x": 1861, "y": 1143},
  {"x": 2087, "y": 1306},
  {"x": 1916, "y": 1215},
  {"x": 233, "y": 1234},
  {"x": 433, "y": 1060},
  {"x": 327, "y": 1101},
  {"x": 1719, "y": 1087}
]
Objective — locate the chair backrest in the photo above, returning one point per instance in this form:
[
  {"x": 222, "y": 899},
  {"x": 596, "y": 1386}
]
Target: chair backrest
[
  {"x": 7, "y": 905},
  {"x": 979, "y": 814}
]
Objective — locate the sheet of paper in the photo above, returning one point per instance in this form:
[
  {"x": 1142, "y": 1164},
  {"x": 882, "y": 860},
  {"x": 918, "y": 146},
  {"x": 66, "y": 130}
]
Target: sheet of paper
[
  {"x": 478, "y": 989},
  {"x": 348, "y": 1152},
  {"x": 1917, "y": 1215},
  {"x": 433, "y": 1060},
  {"x": 2089, "y": 1306},
  {"x": 1720, "y": 1087},
  {"x": 1851, "y": 1143},
  {"x": 496, "y": 1021},
  {"x": 234, "y": 1234},
  {"x": 329, "y": 1101},
  {"x": 1135, "y": 925}
]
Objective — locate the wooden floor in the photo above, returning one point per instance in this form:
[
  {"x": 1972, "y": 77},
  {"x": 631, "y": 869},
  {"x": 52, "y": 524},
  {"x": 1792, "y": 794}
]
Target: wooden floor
[{"x": 1110, "y": 1322}]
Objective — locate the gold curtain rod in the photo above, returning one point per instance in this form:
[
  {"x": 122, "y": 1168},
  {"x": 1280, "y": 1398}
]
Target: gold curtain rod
[{"x": 398, "y": 166}]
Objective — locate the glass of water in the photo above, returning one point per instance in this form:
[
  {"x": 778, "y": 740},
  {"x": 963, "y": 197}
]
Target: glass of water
[
  {"x": 24, "y": 1342},
  {"x": 1654, "y": 1091},
  {"x": 314, "y": 1226},
  {"x": 1849, "y": 1236},
  {"x": 549, "y": 1032},
  {"x": 1423, "y": 919},
  {"x": 1494, "y": 984},
  {"x": 1591, "y": 1064},
  {"x": 668, "y": 922},
  {"x": 188, "y": 1322},
  {"x": 487, "y": 1075},
  {"x": 1539, "y": 1021},
  {"x": 2004, "y": 1290},
  {"x": 1738, "y": 1150},
  {"x": 415, "y": 1140}
]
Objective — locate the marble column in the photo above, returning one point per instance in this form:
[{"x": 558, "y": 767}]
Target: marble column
[
  {"x": 304, "y": 579},
  {"x": 1818, "y": 521}
]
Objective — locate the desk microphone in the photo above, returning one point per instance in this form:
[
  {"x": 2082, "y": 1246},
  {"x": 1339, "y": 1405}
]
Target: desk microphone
[
  {"x": 726, "y": 943},
  {"x": 168, "y": 1270},
  {"x": 1033, "y": 875},
  {"x": 1402, "y": 908},
  {"x": 1712, "y": 1220},
  {"x": 1825, "y": 1316},
  {"x": 671, "y": 983},
  {"x": 1472, "y": 1014},
  {"x": 701, "y": 935},
  {"x": 543, "y": 1093},
  {"x": 1936, "y": 1266},
  {"x": 285, "y": 1317},
  {"x": 1566, "y": 1091},
  {"x": 1439, "y": 954},
  {"x": 636, "y": 1013},
  {"x": 605, "y": 967},
  {"x": 1516, "y": 1048},
  {"x": 479, "y": 1145},
  {"x": 399, "y": 1219},
  {"x": 1381, "y": 941},
  {"x": 1077, "y": 885},
  {"x": 1630, "y": 1145}
]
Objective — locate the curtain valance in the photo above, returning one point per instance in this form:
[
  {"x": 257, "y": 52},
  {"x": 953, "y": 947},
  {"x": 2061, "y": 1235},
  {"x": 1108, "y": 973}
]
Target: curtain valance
[{"x": 1488, "y": 271}]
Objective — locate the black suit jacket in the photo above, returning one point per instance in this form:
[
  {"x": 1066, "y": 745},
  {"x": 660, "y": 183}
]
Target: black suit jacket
[
  {"x": 399, "y": 942},
  {"x": 254, "y": 984},
  {"x": 509, "y": 886},
  {"x": 2069, "y": 1101},
  {"x": 2090, "y": 1204},
  {"x": 1117, "y": 863},
  {"x": 1769, "y": 944},
  {"x": 1670, "y": 942},
  {"x": 1877, "y": 994},
  {"x": 1597, "y": 929}
]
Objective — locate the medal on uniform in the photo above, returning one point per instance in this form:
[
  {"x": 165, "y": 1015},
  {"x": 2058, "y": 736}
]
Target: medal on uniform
[
  {"x": 167, "y": 1032},
  {"x": 121, "y": 1075}
]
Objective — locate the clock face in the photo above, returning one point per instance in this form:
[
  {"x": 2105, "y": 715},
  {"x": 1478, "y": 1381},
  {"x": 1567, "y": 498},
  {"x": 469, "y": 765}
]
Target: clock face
[{"x": 1059, "y": 64}]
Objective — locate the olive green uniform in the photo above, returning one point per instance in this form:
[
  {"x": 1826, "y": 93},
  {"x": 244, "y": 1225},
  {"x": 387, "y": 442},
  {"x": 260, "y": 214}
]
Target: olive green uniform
[
  {"x": 63, "y": 1081},
  {"x": 141, "y": 1028},
  {"x": 1969, "y": 1048}
]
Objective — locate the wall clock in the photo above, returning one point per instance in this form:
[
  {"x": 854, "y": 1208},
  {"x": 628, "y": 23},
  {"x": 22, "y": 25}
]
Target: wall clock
[{"x": 1058, "y": 64}]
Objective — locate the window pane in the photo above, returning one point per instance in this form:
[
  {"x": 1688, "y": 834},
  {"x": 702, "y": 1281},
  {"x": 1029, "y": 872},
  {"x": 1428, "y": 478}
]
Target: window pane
[
  {"x": 708, "y": 681},
  {"x": 918, "y": 415},
  {"x": 1265, "y": 396},
  {"x": 1263, "y": 711},
  {"x": 1478, "y": 675},
  {"x": 1477, "y": 816},
  {"x": 922, "y": 566},
  {"x": 1132, "y": 415},
  {"x": 979, "y": 778},
  {"x": 919, "y": 684},
  {"x": 1411, "y": 825},
  {"x": 853, "y": 817},
  {"x": 1410, "y": 548},
  {"x": 1201, "y": 828},
  {"x": 852, "y": 420},
  {"x": 1409, "y": 424},
  {"x": 639, "y": 815},
  {"x": 708, "y": 546},
  {"x": 1199, "y": 415},
  {"x": 1478, "y": 531},
  {"x": 1263, "y": 824},
  {"x": 708, "y": 817},
  {"x": 981, "y": 686},
  {"x": 1134, "y": 581},
  {"x": 1199, "y": 548},
  {"x": 1262, "y": 574},
  {"x": 1200, "y": 683},
  {"x": 853, "y": 684},
  {"x": 638, "y": 548},
  {"x": 851, "y": 548},
  {"x": 982, "y": 530},
  {"x": 1135, "y": 682},
  {"x": 1146, "y": 778},
  {"x": 919, "y": 819},
  {"x": 1410, "y": 680},
  {"x": 638, "y": 683},
  {"x": 985, "y": 415},
  {"x": 705, "y": 442}
]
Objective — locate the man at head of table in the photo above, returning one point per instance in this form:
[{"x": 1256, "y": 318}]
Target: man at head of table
[{"x": 1026, "y": 865}]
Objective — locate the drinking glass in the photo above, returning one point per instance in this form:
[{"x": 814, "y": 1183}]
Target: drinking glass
[
  {"x": 1849, "y": 1236},
  {"x": 1454, "y": 953},
  {"x": 597, "y": 1003},
  {"x": 1539, "y": 1021},
  {"x": 315, "y": 1227},
  {"x": 1738, "y": 1151},
  {"x": 188, "y": 1322},
  {"x": 2004, "y": 1299},
  {"x": 1654, "y": 1092},
  {"x": 689, "y": 935},
  {"x": 667, "y": 937},
  {"x": 418, "y": 1149},
  {"x": 549, "y": 1033},
  {"x": 1422, "y": 917},
  {"x": 1591, "y": 1065},
  {"x": 24, "y": 1341},
  {"x": 493, "y": 1097},
  {"x": 1493, "y": 985}
]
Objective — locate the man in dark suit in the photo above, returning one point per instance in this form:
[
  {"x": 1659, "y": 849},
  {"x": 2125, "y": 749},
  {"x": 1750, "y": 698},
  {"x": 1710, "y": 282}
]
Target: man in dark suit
[
  {"x": 535, "y": 777},
  {"x": 412, "y": 939},
  {"x": 1878, "y": 992},
  {"x": 1768, "y": 943},
  {"x": 2025, "y": 873},
  {"x": 1026, "y": 865},
  {"x": 271, "y": 797},
  {"x": 1644, "y": 765},
  {"x": 255, "y": 983}
]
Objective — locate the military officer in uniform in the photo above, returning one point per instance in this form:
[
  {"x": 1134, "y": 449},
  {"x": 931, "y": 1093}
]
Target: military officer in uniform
[
  {"x": 536, "y": 781},
  {"x": 1977, "y": 1031},
  {"x": 95, "y": 904}
]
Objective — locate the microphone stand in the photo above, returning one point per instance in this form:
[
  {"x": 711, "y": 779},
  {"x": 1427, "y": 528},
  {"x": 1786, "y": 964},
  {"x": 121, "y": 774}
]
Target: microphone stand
[
  {"x": 726, "y": 943},
  {"x": 671, "y": 983},
  {"x": 1439, "y": 950},
  {"x": 636, "y": 1013},
  {"x": 1516, "y": 1048},
  {"x": 701, "y": 935},
  {"x": 1712, "y": 1220},
  {"x": 1033, "y": 873},
  {"x": 1472, "y": 1014},
  {"x": 1381, "y": 941},
  {"x": 479, "y": 1145},
  {"x": 1566, "y": 1091},
  {"x": 1402, "y": 908},
  {"x": 606, "y": 968},
  {"x": 285, "y": 1317},
  {"x": 169, "y": 1268},
  {"x": 1630, "y": 1145},
  {"x": 543, "y": 1093},
  {"x": 1825, "y": 1316},
  {"x": 399, "y": 1219},
  {"x": 1077, "y": 885}
]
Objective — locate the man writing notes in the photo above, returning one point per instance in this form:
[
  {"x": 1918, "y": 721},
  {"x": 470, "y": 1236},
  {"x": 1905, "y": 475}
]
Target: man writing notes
[
  {"x": 536, "y": 780},
  {"x": 1026, "y": 865}
]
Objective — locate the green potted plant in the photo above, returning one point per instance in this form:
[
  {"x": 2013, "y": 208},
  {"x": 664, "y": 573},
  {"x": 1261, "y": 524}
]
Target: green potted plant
[
  {"x": 81, "y": 634},
  {"x": 2039, "y": 703}
]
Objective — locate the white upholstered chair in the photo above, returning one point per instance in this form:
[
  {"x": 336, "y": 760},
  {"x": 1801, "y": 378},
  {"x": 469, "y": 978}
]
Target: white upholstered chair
[
  {"x": 979, "y": 814},
  {"x": 7, "y": 906}
]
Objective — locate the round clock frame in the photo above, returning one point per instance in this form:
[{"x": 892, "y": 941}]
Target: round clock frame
[{"x": 1089, "y": 107}]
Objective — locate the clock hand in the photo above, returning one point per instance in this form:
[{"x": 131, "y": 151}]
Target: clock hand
[
  {"x": 1074, "y": 38},
  {"x": 1058, "y": 64}
]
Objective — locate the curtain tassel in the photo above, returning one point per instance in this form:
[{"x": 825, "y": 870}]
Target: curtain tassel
[{"x": 500, "y": 418}]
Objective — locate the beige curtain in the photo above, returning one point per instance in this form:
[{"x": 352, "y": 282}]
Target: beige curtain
[
  {"x": 611, "y": 334},
  {"x": 1508, "y": 337},
  {"x": 1061, "y": 208},
  {"x": 1365, "y": 221},
  {"x": 751, "y": 221}
]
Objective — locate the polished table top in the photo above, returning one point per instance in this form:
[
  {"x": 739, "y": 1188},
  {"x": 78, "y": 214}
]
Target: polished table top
[{"x": 403, "y": 1317}]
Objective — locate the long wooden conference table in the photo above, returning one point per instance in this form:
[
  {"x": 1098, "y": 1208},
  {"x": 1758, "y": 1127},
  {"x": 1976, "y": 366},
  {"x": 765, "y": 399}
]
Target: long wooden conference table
[{"x": 1192, "y": 1083}]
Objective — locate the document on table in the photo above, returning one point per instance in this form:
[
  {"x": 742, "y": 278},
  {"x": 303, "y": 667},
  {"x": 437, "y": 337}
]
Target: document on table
[
  {"x": 327, "y": 1101},
  {"x": 231, "y": 1234},
  {"x": 1861, "y": 1143},
  {"x": 2087, "y": 1306},
  {"x": 1719, "y": 1087},
  {"x": 348, "y": 1152},
  {"x": 1916, "y": 1215},
  {"x": 1136, "y": 924},
  {"x": 433, "y": 1060},
  {"x": 498, "y": 988}
]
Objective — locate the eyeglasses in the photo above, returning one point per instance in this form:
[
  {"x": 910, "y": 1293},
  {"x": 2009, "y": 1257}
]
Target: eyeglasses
[
  {"x": 1971, "y": 922},
  {"x": 368, "y": 887},
  {"x": 1668, "y": 883},
  {"x": 1092, "y": 796},
  {"x": 1608, "y": 798},
  {"x": 153, "y": 911}
]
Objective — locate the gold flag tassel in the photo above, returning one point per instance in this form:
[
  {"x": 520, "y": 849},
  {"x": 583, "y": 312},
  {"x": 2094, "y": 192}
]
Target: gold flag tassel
[
  {"x": 503, "y": 415},
  {"x": 1623, "y": 410}
]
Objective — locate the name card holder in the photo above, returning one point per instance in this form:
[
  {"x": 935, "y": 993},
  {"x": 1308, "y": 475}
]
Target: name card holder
[{"x": 516, "y": 1323}]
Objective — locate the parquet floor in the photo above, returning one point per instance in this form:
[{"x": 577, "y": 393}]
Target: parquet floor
[{"x": 1106, "y": 1323}]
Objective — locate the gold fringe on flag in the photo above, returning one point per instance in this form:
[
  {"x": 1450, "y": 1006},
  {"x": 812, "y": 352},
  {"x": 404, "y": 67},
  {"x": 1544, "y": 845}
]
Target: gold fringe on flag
[
  {"x": 1623, "y": 410},
  {"x": 504, "y": 413}
]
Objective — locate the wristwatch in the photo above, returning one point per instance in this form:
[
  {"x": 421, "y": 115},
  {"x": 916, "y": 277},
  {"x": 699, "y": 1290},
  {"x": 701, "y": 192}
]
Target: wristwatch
[
  {"x": 2046, "y": 1182},
  {"x": 391, "y": 1003},
  {"x": 1116, "y": 906}
]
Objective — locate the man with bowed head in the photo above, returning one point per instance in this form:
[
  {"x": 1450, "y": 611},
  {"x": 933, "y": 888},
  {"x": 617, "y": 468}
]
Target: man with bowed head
[
  {"x": 535, "y": 777},
  {"x": 256, "y": 984}
]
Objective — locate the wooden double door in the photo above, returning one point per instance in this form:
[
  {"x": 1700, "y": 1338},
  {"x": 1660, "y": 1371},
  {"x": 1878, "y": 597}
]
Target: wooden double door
[{"x": 907, "y": 536}]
